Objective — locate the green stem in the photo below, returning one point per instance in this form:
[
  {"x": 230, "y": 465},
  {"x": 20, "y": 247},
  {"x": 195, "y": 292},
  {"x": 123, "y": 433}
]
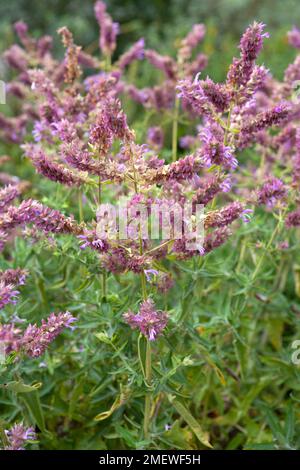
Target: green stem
[
  {"x": 175, "y": 129},
  {"x": 261, "y": 259},
  {"x": 104, "y": 293},
  {"x": 148, "y": 362},
  {"x": 143, "y": 285},
  {"x": 104, "y": 277},
  {"x": 147, "y": 370},
  {"x": 99, "y": 191},
  {"x": 242, "y": 255},
  {"x": 3, "y": 437},
  {"x": 107, "y": 62},
  {"x": 148, "y": 397},
  {"x": 80, "y": 207},
  {"x": 228, "y": 125},
  {"x": 226, "y": 134}
]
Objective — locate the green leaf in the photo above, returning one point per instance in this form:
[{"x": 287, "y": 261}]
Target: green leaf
[
  {"x": 190, "y": 420},
  {"x": 275, "y": 330},
  {"x": 179, "y": 437},
  {"x": 33, "y": 404},
  {"x": 84, "y": 285},
  {"x": 20, "y": 387},
  {"x": 274, "y": 425},
  {"x": 264, "y": 446},
  {"x": 130, "y": 437},
  {"x": 103, "y": 337},
  {"x": 235, "y": 442},
  {"x": 290, "y": 423}
]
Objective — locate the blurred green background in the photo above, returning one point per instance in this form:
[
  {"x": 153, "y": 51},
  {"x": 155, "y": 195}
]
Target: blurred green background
[{"x": 163, "y": 22}]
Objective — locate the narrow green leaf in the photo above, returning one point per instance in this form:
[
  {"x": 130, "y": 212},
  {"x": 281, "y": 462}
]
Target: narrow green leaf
[
  {"x": 290, "y": 423},
  {"x": 33, "y": 404},
  {"x": 20, "y": 387},
  {"x": 191, "y": 421}
]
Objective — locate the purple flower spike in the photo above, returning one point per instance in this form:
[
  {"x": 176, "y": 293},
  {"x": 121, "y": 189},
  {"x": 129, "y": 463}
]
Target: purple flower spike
[
  {"x": 272, "y": 191},
  {"x": 155, "y": 137},
  {"x": 36, "y": 339},
  {"x": 13, "y": 276},
  {"x": 108, "y": 29},
  {"x": 252, "y": 41},
  {"x": 294, "y": 37},
  {"x": 293, "y": 219},
  {"x": 136, "y": 52}
]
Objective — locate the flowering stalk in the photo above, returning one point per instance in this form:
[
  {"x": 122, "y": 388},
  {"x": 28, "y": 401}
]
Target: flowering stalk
[
  {"x": 148, "y": 360},
  {"x": 175, "y": 129},
  {"x": 103, "y": 275},
  {"x": 107, "y": 55}
]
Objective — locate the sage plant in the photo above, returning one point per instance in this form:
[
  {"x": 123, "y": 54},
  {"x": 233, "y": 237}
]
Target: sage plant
[{"x": 74, "y": 129}]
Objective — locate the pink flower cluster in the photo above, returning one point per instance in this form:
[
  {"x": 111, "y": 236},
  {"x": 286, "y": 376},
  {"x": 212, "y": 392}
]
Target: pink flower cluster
[
  {"x": 35, "y": 339},
  {"x": 18, "y": 436},
  {"x": 148, "y": 320}
]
